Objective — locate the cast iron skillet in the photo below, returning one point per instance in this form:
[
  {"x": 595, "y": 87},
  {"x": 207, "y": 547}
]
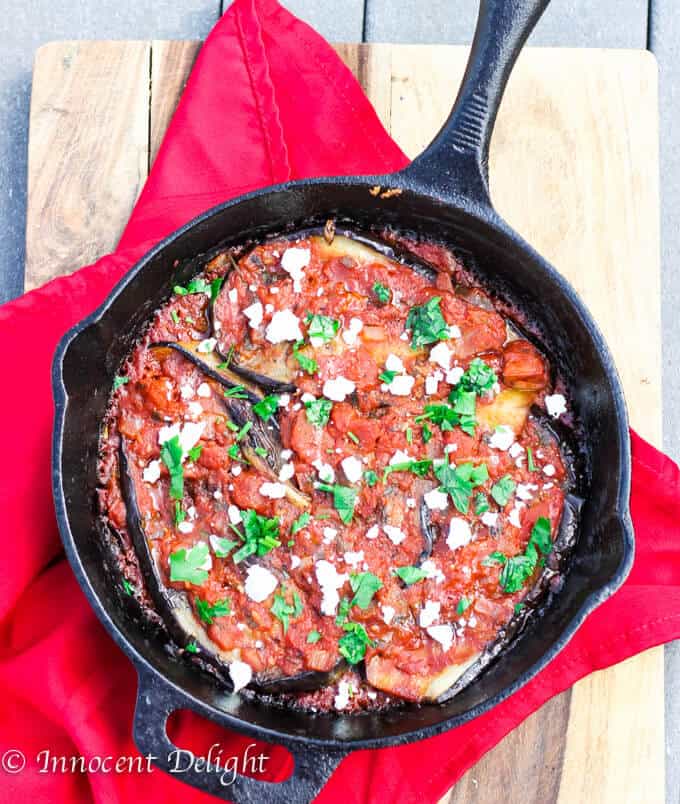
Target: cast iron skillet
[{"x": 444, "y": 196}]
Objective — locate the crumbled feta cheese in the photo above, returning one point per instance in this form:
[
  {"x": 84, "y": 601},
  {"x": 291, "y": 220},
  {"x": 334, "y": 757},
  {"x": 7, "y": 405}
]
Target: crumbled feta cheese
[
  {"x": 241, "y": 674},
  {"x": 548, "y": 486},
  {"x": 429, "y": 614},
  {"x": 260, "y": 583},
  {"x": 489, "y": 519},
  {"x": 326, "y": 472},
  {"x": 236, "y": 470},
  {"x": 293, "y": 262},
  {"x": 185, "y": 527},
  {"x": 523, "y": 491},
  {"x": 217, "y": 494},
  {"x": 351, "y": 333},
  {"x": 448, "y": 448},
  {"x": 388, "y": 613},
  {"x": 372, "y": 532},
  {"x": 442, "y": 634},
  {"x": 191, "y": 434},
  {"x": 549, "y": 470},
  {"x": 275, "y": 491},
  {"x": 515, "y": 450},
  {"x": 274, "y": 290},
  {"x": 394, "y": 363},
  {"x": 233, "y": 295},
  {"x": 436, "y": 500},
  {"x": 152, "y": 472},
  {"x": 167, "y": 432},
  {"x": 401, "y": 385},
  {"x": 441, "y": 355},
  {"x": 353, "y": 468},
  {"x": 403, "y": 336},
  {"x": 556, "y": 405},
  {"x": 454, "y": 331},
  {"x": 341, "y": 700},
  {"x": 284, "y": 326},
  {"x": 329, "y": 535},
  {"x": 459, "y": 533},
  {"x": 432, "y": 570},
  {"x": 400, "y": 457},
  {"x": 203, "y": 390},
  {"x": 410, "y": 502},
  {"x": 514, "y": 519},
  {"x": 195, "y": 409},
  {"x": 453, "y": 376},
  {"x": 353, "y": 558},
  {"x": 186, "y": 390},
  {"x": 234, "y": 514},
  {"x": 286, "y": 472},
  {"x": 338, "y": 388},
  {"x": 394, "y": 534},
  {"x": 295, "y": 561},
  {"x": 330, "y": 580},
  {"x": 269, "y": 308},
  {"x": 286, "y": 454},
  {"x": 284, "y": 401},
  {"x": 432, "y": 382},
  {"x": 502, "y": 438},
  {"x": 307, "y": 397},
  {"x": 206, "y": 346}
]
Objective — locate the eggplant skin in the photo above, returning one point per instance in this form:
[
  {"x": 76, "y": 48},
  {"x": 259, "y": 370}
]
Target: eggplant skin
[{"x": 178, "y": 616}]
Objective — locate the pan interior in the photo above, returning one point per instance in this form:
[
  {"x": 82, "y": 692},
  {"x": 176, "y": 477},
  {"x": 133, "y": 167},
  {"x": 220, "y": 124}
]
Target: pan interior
[{"x": 505, "y": 265}]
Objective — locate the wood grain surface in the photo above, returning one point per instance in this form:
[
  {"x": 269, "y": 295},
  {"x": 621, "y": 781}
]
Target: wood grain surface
[{"x": 574, "y": 167}]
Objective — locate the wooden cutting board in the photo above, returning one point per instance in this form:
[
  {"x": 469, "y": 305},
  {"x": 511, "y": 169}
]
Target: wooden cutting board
[{"x": 574, "y": 167}]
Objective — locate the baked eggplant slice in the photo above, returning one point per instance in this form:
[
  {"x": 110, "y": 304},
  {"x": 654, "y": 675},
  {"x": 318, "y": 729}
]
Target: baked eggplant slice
[{"x": 179, "y": 617}]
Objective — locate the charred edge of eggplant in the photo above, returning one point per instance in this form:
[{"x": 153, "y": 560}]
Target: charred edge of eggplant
[
  {"x": 213, "y": 373},
  {"x": 427, "y": 529},
  {"x": 267, "y": 383}
]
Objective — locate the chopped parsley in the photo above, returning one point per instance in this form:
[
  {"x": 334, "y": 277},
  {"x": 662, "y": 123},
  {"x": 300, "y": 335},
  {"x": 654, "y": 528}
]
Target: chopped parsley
[
  {"x": 307, "y": 364},
  {"x": 322, "y": 327},
  {"x": 284, "y": 611},
  {"x": 171, "y": 455},
  {"x": 410, "y": 575},
  {"x": 344, "y": 499},
  {"x": 195, "y": 453},
  {"x": 261, "y": 535},
  {"x": 447, "y": 417},
  {"x": 301, "y": 522},
  {"x": 128, "y": 587},
  {"x": 352, "y": 437},
  {"x": 118, "y": 381},
  {"x": 243, "y": 432},
  {"x": 197, "y": 285},
  {"x": 215, "y": 287},
  {"x": 318, "y": 411},
  {"x": 463, "y": 604},
  {"x": 208, "y": 612},
  {"x": 519, "y": 607},
  {"x": 370, "y": 477},
  {"x": 481, "y": 503},
  {"x": 185, "y": 565},
  {"x": 343, "y": 611},
  {"x": 364, "y": 585},
  {"x": 382, "y": 292},
  {"x": 530, "y": 460},
  {"x": 191, "y": 647},
  {"x": 237, "y": 392},
  {"x": 478, "y": 377},
  {"x": 502, "y": 490},
  {"x": 267, "y": 407},
  {"x": 352, "y": 645},
  {"x": 518, "y": 569},
  {"x": 387, "y": 375},
  {"x": 180, "y": 516},
  {"x": 427, "y": 323},
  {"x": 419, "y": 468},
  {"x": 409, "y": 435},
  {"x": 459, "y": 481},
  {"x": 426, "y": 433},
  {"x": 175, "y": 316},
  {"x": 222, "y": 546},
  {"x": 313, "y": 637}
]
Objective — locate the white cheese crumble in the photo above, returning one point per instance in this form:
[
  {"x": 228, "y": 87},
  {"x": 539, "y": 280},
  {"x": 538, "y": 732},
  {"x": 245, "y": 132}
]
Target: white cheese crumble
[
  {"x": 203, "y": 390},
  {"x": 432, "y": 571},
  {"x": 189, "y": 434},
  {"x": 388, "y": 613},
  {"x": 353, "y": 558},
  {"x": 436, "y": 500},
  {"x": 152, "y": 472},
  {"x": 286, "y": 472},
  {"x": 185, "y": 527},
  {"x": 236, "y": 470},
  {"x": 514, "y": 519},
  {"x": 286, "y": 454},
  {"x": 441, "y": 355},
  {"x": 515, "y": 450},
  {"x": 293, "y": 262},
  {"x": 454, "y": 331},
  {"x": 372, "y": 532},
  {"x": 459, "y": 533},
  {"x": 329, "y": 535},
  {"x": 502, "y": 438},
  {"x": 275, "y": 491},
  {"x": 351, "y": 333},
  {"x": 394, "y": 534},
  {"x": 241, "y": 674},
  {"x": 330, "y": 580},
  {"x": 260, "y": 583},
  {"x": 206, "y": 346},
  {"x": 432, "y": 382},
  {"x": 233, "y": 295},
  {"x": 394, "y": 363},
  {"x": 523, "y": 491},
  {"x": 284, "y": 326},
  {"x": 234, "y": 514},
  {"x": 341, "y": 700},
  {"x": 400, "y": 457},
  {"x": 325, "y": 470},
  {"x": 410, "y": 502},
  {"x": 453, "y": 376},
  {"x": 353, "y": 468},
  {"x": 556, "y": 405},
  {"x": 338, "y": 388},
  {"x": 284, "y": 401},
  {"x": 489, "y": 519},
  {"x": 307, "y": 397},
  {"x": 549, "y": 470},
  {"x": 401, "y": 385},
  {"x": 442, "y": 634},
  {"x": 186, "y": 391},
  {"x": 195, "y": 409},
  {"x": 429, "y": 614},
  {"x": 295, "y": 561}
]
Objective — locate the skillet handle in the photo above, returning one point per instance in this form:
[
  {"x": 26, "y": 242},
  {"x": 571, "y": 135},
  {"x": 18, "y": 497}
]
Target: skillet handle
[
  {"x": 156, "y": 701},
  {"x": 457, "y": 161}
]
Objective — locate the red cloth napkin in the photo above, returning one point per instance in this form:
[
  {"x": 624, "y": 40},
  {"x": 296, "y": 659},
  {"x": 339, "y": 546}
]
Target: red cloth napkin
[{"x": 268, "y": 100}]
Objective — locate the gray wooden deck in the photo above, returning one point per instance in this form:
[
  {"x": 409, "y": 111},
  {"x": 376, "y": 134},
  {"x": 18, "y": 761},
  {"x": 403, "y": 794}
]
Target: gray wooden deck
[{"x": 653, "y": 24}]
